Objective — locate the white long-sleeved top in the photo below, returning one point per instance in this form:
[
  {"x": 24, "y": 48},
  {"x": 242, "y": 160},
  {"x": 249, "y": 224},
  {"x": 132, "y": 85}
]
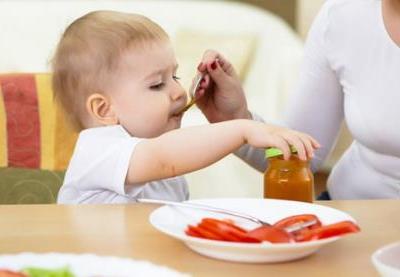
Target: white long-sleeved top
[{"x": 351, "y": 72}]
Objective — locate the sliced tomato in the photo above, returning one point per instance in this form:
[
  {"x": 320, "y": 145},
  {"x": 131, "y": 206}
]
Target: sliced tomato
[
  {"x": 298, "y": 219},
  {"x": 271, "y": 234},
  {"x": 327, "y": 231},
  {"x": 227, "y": 230},
  {"x": 223, "y": 233},
  {"x": 197, "y": 231},
  {"x": 9, "y": 273},
  {"x": 191, "y": 231},
  {"x": 225, "y": 221}
]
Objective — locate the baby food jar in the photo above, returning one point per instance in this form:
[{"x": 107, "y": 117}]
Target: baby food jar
[{"x": 290, "y": 180}]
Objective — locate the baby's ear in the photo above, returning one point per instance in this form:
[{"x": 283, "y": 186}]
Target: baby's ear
[{"x": 100, "y": 109}]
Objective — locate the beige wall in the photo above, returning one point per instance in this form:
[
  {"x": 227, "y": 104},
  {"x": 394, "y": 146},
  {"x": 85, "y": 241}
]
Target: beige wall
[
  {"x": 305, "y": 13},
  {"x": 298, "y": 13},
  {"x": 284, "y": 8}
]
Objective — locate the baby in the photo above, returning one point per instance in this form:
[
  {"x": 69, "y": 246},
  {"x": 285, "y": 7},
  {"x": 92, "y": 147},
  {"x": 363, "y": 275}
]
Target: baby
[{"x": 115, "y": 76}]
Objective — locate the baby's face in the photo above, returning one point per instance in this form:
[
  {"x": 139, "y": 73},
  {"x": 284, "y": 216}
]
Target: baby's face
[{"x": 145, "y": 94}]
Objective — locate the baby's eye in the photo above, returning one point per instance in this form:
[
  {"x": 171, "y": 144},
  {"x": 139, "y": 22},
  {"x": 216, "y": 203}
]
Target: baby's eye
[
  {"x": 158, "y": 86},
  {"x": 176, "y": 78}
]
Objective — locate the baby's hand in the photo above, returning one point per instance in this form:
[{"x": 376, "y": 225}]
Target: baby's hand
[{"x": 264, "y": 135}]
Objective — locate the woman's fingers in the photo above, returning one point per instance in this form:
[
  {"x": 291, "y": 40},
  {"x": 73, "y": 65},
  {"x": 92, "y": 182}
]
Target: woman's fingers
[
  {"x": 216, "y": 72},
  {"x": 200, "y": 92},
  {"x": 210, "y": 56},
  {"x": 205, "y": 82}
]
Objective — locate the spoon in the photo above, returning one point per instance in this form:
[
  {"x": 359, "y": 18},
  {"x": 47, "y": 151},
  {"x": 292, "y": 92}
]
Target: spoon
[
  {"x": 290, "y": 229},
  {"x": 192, "y": 91}
]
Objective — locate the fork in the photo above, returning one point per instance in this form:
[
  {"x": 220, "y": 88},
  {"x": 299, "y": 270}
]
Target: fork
[{"x": 290, "y": 229}]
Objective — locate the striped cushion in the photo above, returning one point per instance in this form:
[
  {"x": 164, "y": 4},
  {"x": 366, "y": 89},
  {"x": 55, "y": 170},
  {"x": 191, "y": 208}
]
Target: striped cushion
[
  {"x": 29, "y": 186},
  {"x": 33, "y": 131}
]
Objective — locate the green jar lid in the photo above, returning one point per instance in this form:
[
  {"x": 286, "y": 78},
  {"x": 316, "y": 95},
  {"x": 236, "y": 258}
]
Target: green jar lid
[{"x": 273, "y": 152}]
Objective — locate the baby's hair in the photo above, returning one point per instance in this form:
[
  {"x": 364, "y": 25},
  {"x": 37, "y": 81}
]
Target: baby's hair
[{"x": 90, "y": 51}]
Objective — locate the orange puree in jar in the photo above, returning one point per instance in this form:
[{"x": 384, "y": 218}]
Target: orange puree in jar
[{"x": 290, "y": 180}]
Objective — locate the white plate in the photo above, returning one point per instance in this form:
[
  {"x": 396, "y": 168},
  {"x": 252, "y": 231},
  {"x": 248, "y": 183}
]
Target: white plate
[
  {"x": 173, "y": 221},
  {"x": 85, "y": 265},
  {"x": 387, "y": 260}
]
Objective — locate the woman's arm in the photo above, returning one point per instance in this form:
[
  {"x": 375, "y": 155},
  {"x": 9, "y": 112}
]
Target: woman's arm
[{"x": 316, "y": 107}]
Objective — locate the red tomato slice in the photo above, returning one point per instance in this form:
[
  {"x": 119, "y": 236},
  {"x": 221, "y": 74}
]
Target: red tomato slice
[
  {"x": 271, "y": 234},
  {"x": 223, "y": 233},
  {"x": 191, "y": 231},
  {"x": 227, "y": 230},
  {"x": 297, "y": 219},
  {"x": 9, "y": 273},
  {"x": 224, "y": 222},
  {"x": 327, "y": 231},
  {"x": 196, "y": 231}
]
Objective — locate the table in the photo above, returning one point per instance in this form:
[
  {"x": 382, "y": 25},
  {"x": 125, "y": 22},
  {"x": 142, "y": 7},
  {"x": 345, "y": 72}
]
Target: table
[{"x": 124, "y": 230}]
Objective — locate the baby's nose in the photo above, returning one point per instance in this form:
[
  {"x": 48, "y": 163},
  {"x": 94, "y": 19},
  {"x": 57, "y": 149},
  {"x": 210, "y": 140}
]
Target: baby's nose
[{"x": 178, "y": 93}]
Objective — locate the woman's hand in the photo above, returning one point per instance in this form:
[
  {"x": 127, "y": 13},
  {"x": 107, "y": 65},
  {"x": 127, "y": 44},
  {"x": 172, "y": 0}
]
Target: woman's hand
[{"x": 221, "y": 95}]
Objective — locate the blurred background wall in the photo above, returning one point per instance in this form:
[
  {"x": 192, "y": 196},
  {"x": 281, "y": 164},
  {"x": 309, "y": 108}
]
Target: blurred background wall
[{"x": 299, "y": 14}]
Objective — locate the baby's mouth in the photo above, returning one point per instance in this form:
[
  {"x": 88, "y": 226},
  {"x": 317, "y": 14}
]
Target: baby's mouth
[
  {"x": 177, "y": 115},
  {"x": 179, "y": 111}
]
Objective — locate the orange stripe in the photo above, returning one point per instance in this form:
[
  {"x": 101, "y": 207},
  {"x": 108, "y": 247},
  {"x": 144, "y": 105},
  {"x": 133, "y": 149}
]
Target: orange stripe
[
  {"x": 47, "y": 114},
  {"x": 23, "y": 126},
  {"x": 3, "y": 133},
  {"x": 65, "y": 138}
]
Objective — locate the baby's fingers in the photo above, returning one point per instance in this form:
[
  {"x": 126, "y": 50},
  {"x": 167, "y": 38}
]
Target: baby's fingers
[
  {"x": 298, "y": 145},
  {"x": 308, "y": 145},
  {"x": 281, "y": 143},
  {"x": 314, "y": 142}
]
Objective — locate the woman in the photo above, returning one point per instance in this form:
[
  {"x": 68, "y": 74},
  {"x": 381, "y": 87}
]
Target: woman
[{"x": 351, "y": 72}]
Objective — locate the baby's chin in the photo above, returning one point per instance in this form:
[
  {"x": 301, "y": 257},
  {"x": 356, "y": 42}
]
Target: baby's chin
[{"x": 174, "y": 122}]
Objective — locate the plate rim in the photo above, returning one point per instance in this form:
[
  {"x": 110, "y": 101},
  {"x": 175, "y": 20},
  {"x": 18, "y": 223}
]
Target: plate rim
[
  {"x": 71, "y": 260},
  {"x": 378, "y": 263}
]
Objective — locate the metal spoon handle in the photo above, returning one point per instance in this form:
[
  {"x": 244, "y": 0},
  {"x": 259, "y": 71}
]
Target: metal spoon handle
[
  {"x": 192, "y": 91},
  {"x": 196, "y": 84},
  {"x": 202, "y": 207},
  {"x": 191, "y": 103},
  {"x": 299, "y": 226}
]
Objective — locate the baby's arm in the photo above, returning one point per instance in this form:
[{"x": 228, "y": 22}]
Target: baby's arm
[{"x": 184, "y": 150}]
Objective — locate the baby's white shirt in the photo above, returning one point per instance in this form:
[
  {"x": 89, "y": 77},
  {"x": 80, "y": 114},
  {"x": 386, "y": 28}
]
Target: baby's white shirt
[{"x": 98, "y": 168}]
